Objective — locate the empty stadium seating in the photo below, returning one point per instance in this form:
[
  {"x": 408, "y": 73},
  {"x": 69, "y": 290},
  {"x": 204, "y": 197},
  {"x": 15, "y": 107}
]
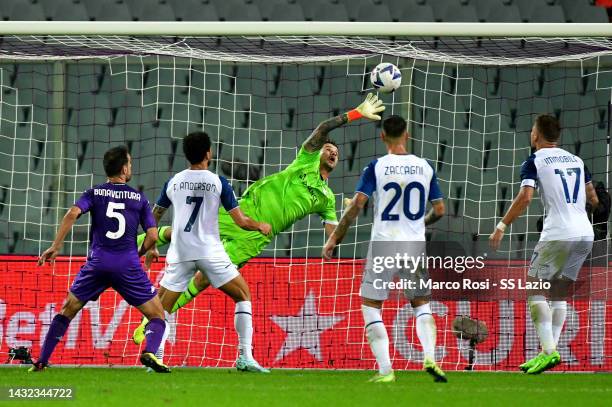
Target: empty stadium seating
[{"x": 313, "y": 10}]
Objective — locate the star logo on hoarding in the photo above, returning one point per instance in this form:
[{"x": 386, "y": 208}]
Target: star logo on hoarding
[{"x": 304, "y": 329}]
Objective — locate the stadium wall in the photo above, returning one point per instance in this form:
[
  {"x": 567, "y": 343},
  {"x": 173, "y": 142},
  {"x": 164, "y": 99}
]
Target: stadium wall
[{"x": 305, "y": 316}]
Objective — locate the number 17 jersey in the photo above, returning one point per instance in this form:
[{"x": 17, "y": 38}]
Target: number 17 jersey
[
  {"x": 196, "y": 196},
  {"x": 402, "y": 185},
  {"x": 561, "y": 179}
]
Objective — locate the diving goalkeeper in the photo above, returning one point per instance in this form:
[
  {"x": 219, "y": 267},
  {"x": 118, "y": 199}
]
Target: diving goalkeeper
[{"x": 279, "y": 199}]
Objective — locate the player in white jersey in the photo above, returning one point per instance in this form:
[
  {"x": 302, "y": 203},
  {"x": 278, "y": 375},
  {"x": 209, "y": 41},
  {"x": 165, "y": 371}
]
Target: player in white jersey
[
  {"x": 564, "y": 185},
  {"x": 195, "y": 194},
  {"x": 402, "y": 183}
]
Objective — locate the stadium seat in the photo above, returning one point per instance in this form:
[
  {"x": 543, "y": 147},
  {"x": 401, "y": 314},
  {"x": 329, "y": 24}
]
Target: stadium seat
[
  {"x": 287, "y": 12},
  {"x": 114, "y": 12},
  {"x": 397, "y": 7},
  {"x": 547, "y": 14},
  {"x": 267, "y": 7},
  {"x": 353, "y": 7},
  {"x": 419, "y": 13},
  {"x": 150, "y": 10},
  {"x": 27, "y": 11},
  {"x": 332, "y": 12},
  {"x": 378, "y": 13},
  {"x": 526, "y": 7},
  {"x": 484, "y": 7},
  {"x": 50, "y": 6},
  {"x": 70, "y": 12},
  {"x": 441, "y": 7},
  {"x": 6, "y": 7},
  {"x": 570, "y": 7},
  {"x": 248, "y": 12},
  {"x": 193, "y": 10},
  {"x": 460, "y": 14},
  {"x": 310, "y": 7},
  {"x": 509, "y": 14},
  {"x": 93, "y": 7},
  {"x": 223, "y": 7},
  {"x": 588, "y": 14},
  {"x": 159, "y": 12}
]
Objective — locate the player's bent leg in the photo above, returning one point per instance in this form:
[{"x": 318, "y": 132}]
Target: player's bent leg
[
  {"x": 57, "y": 329},
  {"x": 154, "y": 332},
  {"x": 238, "y": 290},
  {"x": 164, "y": 234},
  {"x": 197, "y": 284},
  {"x": 378, "y": 339}
]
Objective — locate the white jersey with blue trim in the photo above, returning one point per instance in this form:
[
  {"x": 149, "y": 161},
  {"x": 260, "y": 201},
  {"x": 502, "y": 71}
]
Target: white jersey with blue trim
[
  {"x": 401, "y": 185},
  {"x": 560, "y": 178},
  {"x": 196, "y": 196}
]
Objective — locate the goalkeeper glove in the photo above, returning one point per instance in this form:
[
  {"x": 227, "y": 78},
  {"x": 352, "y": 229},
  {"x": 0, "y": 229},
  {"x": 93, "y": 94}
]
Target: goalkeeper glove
[{"x": 368, "y": 108}]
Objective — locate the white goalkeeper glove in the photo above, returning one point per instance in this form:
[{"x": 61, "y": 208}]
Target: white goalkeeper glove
[{"x": 368, "y": 108}]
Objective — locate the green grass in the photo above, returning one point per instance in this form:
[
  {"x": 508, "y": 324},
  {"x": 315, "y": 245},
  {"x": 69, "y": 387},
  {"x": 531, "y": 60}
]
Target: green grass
[{"x": 221, "y": 387}]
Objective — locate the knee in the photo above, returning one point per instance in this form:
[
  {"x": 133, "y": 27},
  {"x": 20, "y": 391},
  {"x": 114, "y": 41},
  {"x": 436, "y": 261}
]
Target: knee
[
  {"x": 368, "y": 302},
  {"x": 200, "y": 280},
  {"x": 71, "y": 307},
  {"x": 417, "y": 302}
]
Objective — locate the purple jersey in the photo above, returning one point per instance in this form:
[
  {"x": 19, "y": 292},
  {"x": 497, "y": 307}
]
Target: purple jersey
[{"x": 116, "y": 211}]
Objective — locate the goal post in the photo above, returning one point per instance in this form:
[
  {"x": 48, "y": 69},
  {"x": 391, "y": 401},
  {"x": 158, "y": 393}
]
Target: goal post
[{"x": 470, "y": 92}]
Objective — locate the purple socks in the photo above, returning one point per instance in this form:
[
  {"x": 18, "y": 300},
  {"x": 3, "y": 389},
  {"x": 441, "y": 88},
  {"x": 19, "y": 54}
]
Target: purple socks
[
  {"x": 154, "y": 332},
  {"x": 57, "y": 329}
]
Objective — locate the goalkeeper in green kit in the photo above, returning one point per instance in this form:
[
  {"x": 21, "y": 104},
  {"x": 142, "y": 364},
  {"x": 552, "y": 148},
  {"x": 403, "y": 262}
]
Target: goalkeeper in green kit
[{"x": 279, "y": 199}]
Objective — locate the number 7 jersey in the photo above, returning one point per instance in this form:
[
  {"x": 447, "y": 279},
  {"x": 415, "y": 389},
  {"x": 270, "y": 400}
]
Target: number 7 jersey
[
  {"x": 196, "y": 196},
  {"x": 560, "y": 178},
  {"x": 402, "y": 185}
]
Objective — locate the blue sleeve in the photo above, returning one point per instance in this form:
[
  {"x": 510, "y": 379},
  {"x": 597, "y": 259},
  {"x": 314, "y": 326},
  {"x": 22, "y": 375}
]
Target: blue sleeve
[
  {"x": 228, "y": 199},
  {"x": 163, "y": 201},
  {"x": 367, "y": 182},
  {"x": 435, "y": 192},
  {"x": 587, "y": 175},
  {"x": 529, "y": 172}
]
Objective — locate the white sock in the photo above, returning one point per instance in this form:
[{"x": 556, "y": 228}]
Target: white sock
[
  {"x": 559, "y": 311},
  {"x": 542, "y": 319},
  {"x": 426, "y": 330},
  {"x": 243, "y": 322},
  {"x": 160, "y": 351},
  {"x": 377, "y": 337}
]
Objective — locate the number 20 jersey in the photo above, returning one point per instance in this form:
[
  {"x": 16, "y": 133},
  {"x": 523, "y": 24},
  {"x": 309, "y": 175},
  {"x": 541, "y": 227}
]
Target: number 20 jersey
[
  {"x": 195, "y": 196},
  {"x": 401, "y": 185},
  {"x": 561, "y": 179}
]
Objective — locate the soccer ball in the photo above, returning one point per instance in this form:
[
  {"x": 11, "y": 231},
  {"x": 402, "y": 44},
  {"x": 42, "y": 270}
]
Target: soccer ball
[{"x": 386, "y": 77}]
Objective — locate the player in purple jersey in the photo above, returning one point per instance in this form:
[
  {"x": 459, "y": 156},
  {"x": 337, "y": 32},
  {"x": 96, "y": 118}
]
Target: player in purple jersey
[{"x": 114, "y": 261}]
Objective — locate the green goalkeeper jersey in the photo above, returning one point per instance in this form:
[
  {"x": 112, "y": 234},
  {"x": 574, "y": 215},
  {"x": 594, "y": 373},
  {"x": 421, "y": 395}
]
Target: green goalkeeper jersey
[{"x": 283, "y": 198}]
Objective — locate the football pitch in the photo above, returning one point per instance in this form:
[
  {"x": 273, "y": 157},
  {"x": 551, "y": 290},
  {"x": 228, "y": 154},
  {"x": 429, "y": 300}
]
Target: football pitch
[{"x": 225, "y": 387}]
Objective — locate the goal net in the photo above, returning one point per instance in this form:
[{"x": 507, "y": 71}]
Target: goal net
[{"x": 470, "y": 104}]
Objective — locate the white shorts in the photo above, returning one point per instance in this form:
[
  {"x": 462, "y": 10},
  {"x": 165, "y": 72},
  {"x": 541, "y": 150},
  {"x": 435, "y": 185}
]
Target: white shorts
[
  {"x": 375, "y": 284},
  {"x": 554, "y": 259},
  {"x": 218, "y": 270}
]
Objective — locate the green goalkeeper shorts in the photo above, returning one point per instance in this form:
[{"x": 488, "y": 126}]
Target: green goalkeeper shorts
[{"x": 241, "y": 245}]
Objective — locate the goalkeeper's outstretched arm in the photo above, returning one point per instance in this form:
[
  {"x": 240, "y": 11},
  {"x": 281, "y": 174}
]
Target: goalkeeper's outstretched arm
[{"x": 370, "y": 108}]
